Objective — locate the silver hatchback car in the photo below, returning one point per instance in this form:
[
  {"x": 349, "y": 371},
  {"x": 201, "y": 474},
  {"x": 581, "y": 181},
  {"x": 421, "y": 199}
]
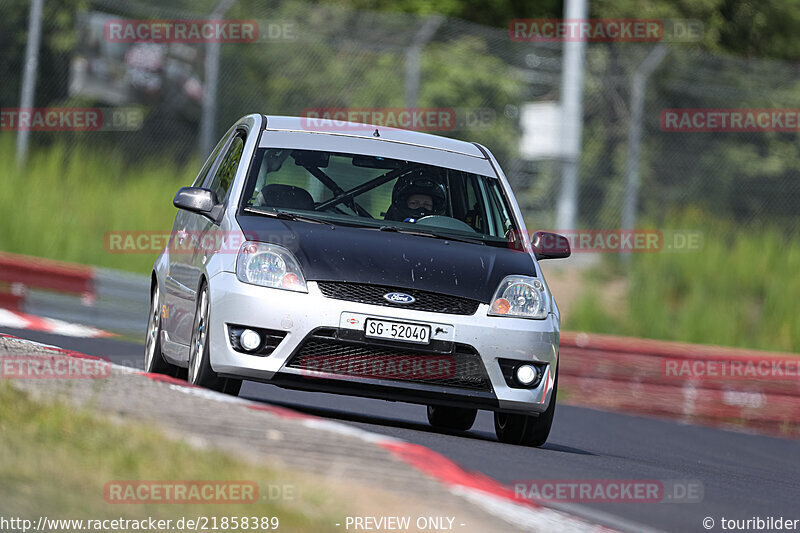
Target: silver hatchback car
[{"x": 353, "y": 259}]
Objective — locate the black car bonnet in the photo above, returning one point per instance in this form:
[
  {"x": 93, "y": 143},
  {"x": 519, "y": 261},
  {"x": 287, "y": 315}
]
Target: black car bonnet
[{"x": 367, "y": 255}]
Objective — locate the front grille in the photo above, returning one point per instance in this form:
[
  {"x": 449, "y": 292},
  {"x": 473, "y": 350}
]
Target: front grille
[
  {"x": 462, "y": 369},
  {"x": 373, "y": 294}
]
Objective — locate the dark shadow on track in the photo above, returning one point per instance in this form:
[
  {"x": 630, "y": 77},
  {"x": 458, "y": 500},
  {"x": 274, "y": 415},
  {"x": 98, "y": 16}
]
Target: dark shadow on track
[
  {"x": 345, "y": 416},
  {"x": 566, "y": 449}
]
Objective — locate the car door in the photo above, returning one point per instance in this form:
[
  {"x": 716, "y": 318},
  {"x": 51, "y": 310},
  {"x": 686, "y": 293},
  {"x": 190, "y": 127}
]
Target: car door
[
  {"x": 178, "y": 289},
  {"x": 203, "y": 231}
]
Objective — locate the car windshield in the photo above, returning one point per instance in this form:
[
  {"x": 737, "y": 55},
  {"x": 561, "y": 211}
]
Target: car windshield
[{"x": 380, "y": 192}]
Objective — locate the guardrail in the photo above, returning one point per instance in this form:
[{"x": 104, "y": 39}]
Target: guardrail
[
  {"x": 759, "y": 390},
  {"x": 98, "y": 297},
  {"x": 745, "y": 389}
]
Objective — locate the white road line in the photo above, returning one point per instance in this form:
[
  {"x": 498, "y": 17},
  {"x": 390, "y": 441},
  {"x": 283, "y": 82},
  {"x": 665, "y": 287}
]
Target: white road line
[
  {"x": 17, "y": 320},
  {"x": 10, "y": 319}
]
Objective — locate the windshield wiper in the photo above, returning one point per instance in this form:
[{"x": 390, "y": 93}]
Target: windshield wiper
[
  {"x": 285, "y": 215},
  {"x": 395, "y": 229}
]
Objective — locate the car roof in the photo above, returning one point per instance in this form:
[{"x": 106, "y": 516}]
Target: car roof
[{"x": 355, "y": 129}]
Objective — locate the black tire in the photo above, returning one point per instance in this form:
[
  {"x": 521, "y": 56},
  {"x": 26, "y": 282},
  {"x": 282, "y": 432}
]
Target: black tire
[
  {"x": 200, "y": 372},
  {"x": 457, "y": 418},
  {"x": 526, "y": 430},
  {"x": 154, "y": 361}
]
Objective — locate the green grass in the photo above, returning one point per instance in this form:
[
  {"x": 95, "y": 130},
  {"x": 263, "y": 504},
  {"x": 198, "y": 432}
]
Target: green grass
[
  {"x": 55, "y": 462},
  {"x": 740, "y": 290},
  {"x": 65, "y": 201}
]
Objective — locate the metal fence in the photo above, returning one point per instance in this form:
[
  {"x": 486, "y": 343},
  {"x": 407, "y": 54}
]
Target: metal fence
[{"x": 313, "y": 56}]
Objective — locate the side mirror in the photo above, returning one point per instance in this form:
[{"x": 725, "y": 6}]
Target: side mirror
[
  {"x": 197, "y": 200},
  {"x": 548, "y": 245}
]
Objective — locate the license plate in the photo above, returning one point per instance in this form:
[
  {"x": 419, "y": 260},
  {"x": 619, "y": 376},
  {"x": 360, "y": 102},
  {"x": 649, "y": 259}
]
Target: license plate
[{"x": 397, "y": 331}]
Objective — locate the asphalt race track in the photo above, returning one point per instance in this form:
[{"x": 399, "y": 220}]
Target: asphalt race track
[{"x": 743, "y": 476}]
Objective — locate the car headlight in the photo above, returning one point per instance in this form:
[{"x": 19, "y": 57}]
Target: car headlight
[
  {"x": 269, "y": 265},
  {"x": 520, "y": 296}
]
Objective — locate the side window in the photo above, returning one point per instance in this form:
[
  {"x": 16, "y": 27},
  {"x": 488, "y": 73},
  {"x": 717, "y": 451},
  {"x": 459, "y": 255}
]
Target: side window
[
  {"x": 476, "y": 208},
  {"x": 227, "y": 168},
  {"x": 500, "y": 207},
  {"x": 201, "y": 177}
]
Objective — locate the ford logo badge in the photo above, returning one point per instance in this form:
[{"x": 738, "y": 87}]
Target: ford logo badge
[{"x": 399, "y": 298}]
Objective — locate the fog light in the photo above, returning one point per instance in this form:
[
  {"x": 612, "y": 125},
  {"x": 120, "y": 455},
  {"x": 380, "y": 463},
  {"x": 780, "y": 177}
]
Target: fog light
[
  {"x": 526, "y": 374},
  {"x": 250, "y": 340}
]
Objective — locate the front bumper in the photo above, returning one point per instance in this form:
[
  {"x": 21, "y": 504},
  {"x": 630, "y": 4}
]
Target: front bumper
[{"x": 299, "y": 314}]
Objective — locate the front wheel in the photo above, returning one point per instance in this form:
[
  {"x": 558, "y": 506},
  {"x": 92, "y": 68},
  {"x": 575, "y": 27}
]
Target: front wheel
[
  {"x": 527, "y": 430},
  {"x": 200, "y": 372},
  {"x": 458, "y": 418},
  {"x": 153, "y": 360}
]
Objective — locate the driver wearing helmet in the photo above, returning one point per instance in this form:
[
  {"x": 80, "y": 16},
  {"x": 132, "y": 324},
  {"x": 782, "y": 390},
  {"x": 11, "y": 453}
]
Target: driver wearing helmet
[{"x": 415, "y": 197}]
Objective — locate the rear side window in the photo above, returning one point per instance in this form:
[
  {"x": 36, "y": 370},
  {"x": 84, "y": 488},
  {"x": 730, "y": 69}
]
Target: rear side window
[{"x": 227, "y": 168}]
